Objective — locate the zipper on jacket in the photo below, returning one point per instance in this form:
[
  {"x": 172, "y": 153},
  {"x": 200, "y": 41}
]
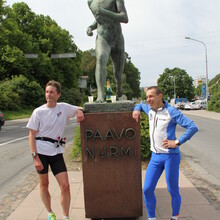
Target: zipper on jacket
[{"x": 155, "y": 125}]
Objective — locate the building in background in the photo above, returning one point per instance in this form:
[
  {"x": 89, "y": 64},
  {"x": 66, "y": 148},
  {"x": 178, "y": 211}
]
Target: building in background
[{"x": 200, "y": 80}]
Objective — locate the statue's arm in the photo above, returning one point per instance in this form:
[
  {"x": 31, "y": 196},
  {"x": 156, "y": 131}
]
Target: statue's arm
[
  {"x": 120, "y": 16},
  {"x": 91, "y": 28}
]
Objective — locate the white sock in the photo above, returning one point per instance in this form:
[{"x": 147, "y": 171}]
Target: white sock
[
  {"x": 152, "y": 218},
  {"x": 175, "y": 217},
  {"x": 65, "y": 217},
  {"x": 50, "y": 212}
]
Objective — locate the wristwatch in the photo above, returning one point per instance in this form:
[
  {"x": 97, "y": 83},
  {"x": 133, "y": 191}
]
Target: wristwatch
[
  {"x": 34, "y": 154},
  {"x": 177, "y": 142},
  {"x": 81, "y": 109}
]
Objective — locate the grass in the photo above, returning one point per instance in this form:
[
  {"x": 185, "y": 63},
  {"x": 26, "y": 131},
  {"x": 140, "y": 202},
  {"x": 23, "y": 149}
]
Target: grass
[{"x": 11, "y": 115}]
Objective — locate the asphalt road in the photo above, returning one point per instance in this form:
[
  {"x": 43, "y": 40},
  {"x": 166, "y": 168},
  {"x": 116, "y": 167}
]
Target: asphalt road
[
  {"x": 15, "y": 158},
  {"x": 203, "y": 150}
]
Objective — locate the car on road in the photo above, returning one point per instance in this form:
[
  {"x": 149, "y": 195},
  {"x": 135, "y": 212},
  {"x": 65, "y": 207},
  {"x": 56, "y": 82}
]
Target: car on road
[
  {"x": 192, "y": 106},
  {"x": 202, "y": 103},
  {"x": 2, "y": 121}
]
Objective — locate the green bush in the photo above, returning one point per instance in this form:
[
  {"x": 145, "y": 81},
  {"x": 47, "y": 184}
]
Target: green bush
[
  {"x": 145, "y": 137},
  {"x": 19, "y": 93},
  {"x": 71, "y": 96},
  {"x": 214, "y": 103},
  {"x": 76, "y": 151}
]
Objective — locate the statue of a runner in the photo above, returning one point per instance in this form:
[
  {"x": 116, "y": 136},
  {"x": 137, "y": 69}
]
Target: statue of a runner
[{"x": 109, "y": 41}]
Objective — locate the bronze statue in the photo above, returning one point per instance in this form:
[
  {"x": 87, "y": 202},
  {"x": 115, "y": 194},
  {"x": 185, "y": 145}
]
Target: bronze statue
[{"x": 109, "y": 41}]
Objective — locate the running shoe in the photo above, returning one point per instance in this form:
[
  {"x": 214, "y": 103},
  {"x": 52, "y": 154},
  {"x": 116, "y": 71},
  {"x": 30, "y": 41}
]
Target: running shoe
[{"x": 52, "y": 216}]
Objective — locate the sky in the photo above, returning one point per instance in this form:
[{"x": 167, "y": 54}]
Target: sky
[{"x": 155, "y": 34}]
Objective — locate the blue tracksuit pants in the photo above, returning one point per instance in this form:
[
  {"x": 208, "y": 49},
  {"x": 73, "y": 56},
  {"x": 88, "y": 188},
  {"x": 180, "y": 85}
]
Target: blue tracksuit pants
[{"x": 158, "y": 163}]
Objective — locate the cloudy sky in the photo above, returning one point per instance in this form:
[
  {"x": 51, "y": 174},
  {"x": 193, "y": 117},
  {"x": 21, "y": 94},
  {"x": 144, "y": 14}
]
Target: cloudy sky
[{"x": 155, "y": 34}]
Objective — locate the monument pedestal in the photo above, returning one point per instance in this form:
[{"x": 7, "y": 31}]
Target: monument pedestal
[{"x": 111, "y": 159}]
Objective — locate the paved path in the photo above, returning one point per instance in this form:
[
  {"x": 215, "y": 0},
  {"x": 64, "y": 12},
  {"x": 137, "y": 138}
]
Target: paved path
[{"x": 194, "y": 204}]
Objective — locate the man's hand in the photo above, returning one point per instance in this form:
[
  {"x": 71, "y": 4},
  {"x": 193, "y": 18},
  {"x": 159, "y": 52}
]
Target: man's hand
[
  {"x": 37, "y": 163},
  {"x": 169, "y": 144},
  {"x": 136, "y": 115},
  {"x": 80, "y": 115}
]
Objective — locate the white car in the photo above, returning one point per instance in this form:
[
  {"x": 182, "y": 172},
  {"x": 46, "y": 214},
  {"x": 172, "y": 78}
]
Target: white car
[
  {"x": 192, "y": 106},
  {"x": 202, "y": 103},
  {"x": 187, "y": 106}
]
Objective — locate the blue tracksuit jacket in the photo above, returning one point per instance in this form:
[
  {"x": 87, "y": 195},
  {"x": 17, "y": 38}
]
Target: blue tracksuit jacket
[{"x": 162, "y": 125}]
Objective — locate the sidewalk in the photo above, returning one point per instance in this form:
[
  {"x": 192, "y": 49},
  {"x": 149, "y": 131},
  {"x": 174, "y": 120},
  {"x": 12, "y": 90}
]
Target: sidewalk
[{"x": 194, "y": 205}]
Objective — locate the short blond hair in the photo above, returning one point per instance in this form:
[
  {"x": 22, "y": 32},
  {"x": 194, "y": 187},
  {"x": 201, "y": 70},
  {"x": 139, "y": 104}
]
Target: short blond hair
[
  {"x": 55, "y": 84},
  {"x": 156, "y": 88}
]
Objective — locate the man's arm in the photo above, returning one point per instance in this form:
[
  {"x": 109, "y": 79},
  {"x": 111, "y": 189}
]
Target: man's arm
[
  {"x": 184, "y": 122},
  {"x": 80, "y": 115},
  {"x": 136, "y": 115},
  {"x": 32, "y": 142}
]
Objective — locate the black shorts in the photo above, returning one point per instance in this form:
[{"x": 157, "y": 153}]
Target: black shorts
[{"x": 56, "y": 163}]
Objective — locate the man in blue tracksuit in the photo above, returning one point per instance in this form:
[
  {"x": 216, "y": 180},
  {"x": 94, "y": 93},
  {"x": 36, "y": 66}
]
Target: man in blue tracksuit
[{"x": 163, "y": 119}]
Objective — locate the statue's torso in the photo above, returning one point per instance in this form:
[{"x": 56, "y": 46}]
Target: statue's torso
[
  {"x": 106, "y": 4},
  {"x": 106, "y": 27}
]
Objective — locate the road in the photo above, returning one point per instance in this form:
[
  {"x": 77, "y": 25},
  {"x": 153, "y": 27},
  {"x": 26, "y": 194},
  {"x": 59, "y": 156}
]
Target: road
[
  {"x": 203, "y": 150},
  {"x": 15, "y": 158}
]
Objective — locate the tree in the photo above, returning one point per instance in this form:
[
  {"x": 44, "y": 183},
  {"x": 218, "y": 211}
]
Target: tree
[
  {"x": 25, "y": 32},
  {"x": 19, "y": 92},
  {"x": 214, "y": 89},
  {"x": 183, "y": 83},
  {"x": 88, "y": 65},
  {"x": 132, "y": 76}
]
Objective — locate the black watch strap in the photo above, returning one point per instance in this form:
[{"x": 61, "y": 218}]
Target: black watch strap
[{"x": 34, "y": 154}]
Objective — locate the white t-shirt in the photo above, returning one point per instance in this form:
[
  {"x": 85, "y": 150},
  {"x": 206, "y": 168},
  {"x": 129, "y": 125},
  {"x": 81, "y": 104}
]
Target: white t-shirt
[{"x": 50, "y": 122}]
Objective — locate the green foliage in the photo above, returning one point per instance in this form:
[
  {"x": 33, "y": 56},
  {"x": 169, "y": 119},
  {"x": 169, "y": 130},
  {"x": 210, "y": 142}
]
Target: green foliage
[
  {"x": 24, "y": 33},
  {"x": 214, "y": 103},
  {"x": 76, "y": 151},
  {"x": 143, "y": 94},
  {"x": 71, "y": 96},
  {"x": 19, "y": 93},
  {"x": 88, "y": 64},
  {"x": 131, "y": 76},
  {"x": 198, "y": 90},
  {"x": 214, "y": 90},
  {"x": 12, "y": 115},
  {"x": 183, "y": 84},
  {"x": 145, "y": 137}
]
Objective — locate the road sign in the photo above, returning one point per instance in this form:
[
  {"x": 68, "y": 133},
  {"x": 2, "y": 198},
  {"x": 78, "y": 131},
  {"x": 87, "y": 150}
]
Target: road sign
[{"x": 63, "y": 55}]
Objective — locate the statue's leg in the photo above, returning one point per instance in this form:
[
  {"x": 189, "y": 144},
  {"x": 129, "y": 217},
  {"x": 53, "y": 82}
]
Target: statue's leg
[
  {"x": 102, "y": 55},
  {"x": 118, "y": 60}
]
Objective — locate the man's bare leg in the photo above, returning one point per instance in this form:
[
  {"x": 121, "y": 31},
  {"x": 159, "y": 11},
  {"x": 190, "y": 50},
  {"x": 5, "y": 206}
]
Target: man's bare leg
[
  {"x": 65, "y": 198},
  {"x": 44, "y": 192}
]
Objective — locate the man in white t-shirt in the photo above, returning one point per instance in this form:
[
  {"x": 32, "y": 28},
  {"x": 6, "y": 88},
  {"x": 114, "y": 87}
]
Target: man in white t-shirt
[{"x": 46, "y": 126}]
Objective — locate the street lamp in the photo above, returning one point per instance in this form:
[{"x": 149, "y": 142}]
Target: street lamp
[{"x": 206, "y": 63}]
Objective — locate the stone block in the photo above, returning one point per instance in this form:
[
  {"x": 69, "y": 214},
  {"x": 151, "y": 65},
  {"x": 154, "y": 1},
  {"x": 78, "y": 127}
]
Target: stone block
[{"x": 111, "y": 159}]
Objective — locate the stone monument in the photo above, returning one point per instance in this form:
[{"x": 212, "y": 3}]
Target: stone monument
[{"x": 111, "y": 160}]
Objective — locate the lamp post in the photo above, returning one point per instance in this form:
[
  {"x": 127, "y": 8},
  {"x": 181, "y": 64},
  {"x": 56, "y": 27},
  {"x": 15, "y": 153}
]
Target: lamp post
[{"x": 206, "y": 63}]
